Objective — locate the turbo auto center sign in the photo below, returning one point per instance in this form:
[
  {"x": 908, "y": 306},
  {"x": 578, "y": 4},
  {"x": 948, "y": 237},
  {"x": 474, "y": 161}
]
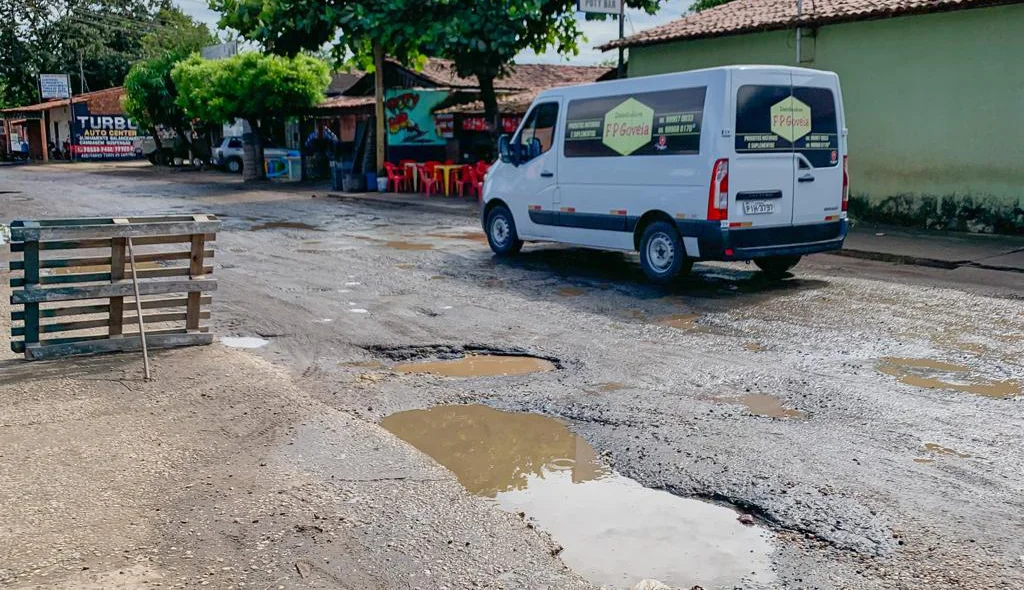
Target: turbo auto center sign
[{"x": 105, "y": 137}]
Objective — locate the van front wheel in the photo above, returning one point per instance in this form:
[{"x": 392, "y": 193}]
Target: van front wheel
[
  {"x": 662, "y": 254},
  {"x": 501, "y": 232}
]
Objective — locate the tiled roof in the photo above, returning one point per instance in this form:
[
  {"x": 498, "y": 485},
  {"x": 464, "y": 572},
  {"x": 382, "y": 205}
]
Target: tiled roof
[
  {"x": 509, "y": 104},
  {"x": 744, "y": 16},
  {"x": 345, "y": 102},
  {"x": 522, "y": 76},
  {"x": 108, "y": 102}
]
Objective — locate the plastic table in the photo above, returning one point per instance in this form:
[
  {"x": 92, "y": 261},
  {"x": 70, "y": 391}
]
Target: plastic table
[{"x": 446, "y": 169}]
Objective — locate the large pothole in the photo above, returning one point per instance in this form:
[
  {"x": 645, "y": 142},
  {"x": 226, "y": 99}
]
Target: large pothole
[
  {"x": 614, "y": 531},
  {"x": 469, "y": 360}
]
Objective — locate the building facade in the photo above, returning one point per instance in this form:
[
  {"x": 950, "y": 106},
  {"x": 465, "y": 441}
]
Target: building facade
[{"x": 934, "y": 94}]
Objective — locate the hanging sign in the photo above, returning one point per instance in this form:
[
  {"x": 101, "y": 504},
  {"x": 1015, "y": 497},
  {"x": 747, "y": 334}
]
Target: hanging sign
[
  {"x": 54, "y": 86},
  {"x": 599, "y": 6}
]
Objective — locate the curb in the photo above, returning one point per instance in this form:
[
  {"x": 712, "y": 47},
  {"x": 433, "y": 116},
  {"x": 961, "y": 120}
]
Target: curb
[
  {"x": 901, "y": 259},
  {"x": 425, "y": 206}
]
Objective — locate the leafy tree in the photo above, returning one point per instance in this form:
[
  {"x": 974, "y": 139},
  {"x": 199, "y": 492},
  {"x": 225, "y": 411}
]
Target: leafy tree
[
  {"x": 252, "y": 87},
  {"x": 150, "y": 94},
  {"x": 702, "y": 5}
]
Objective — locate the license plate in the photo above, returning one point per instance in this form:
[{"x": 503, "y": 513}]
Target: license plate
[{"x": 758, "y": 207}]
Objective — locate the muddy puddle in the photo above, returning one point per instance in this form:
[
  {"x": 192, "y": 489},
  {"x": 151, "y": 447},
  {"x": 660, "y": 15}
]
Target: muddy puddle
[
  {"x": 932, "y": 374},
  {"x": 284, "y": 225},
  {"x": 941, "y": 450},
  {"x": 403, "y": 245},
  {"x": 762, "y": 405},
  {"x": 467, "y": 236},
  {"x": 609, "y": 387},
  {"x": 243, "y": 341},
  {"x": 753, "y": 347},
  {"x": 614, "y": 531},
  {"x": 571, "y": 292},
  {"x": 483, "y": 365},
  {"x": 679, "y": 321}
]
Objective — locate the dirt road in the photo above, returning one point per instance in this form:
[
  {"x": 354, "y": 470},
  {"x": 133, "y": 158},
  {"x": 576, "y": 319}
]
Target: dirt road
[{"x": 868, "y": 416}]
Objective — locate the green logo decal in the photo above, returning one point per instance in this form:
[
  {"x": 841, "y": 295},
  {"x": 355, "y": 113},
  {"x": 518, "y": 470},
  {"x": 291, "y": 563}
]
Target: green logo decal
[
  {"x": 791, "y": 119},
  {"x": 627, "y": 127}
]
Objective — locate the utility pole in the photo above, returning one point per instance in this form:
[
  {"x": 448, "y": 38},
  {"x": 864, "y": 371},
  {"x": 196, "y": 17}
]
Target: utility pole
[
  {"x": 81, "y": 74},
  {"x": 378, "y": 86},
  {"x": 622, "y": 33}
]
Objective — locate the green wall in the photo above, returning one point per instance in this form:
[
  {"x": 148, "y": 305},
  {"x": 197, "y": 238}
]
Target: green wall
[{"x": 934, "y": 103}]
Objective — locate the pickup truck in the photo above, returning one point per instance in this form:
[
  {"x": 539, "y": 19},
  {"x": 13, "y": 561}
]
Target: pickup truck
[{"x": 228, "y": 153}]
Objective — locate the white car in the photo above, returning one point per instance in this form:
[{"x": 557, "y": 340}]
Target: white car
[
  {"x": 731, "y": 163},
  {"x": 228, "y": 153}
]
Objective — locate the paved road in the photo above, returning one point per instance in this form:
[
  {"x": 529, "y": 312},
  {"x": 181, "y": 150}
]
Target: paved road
[{"x": 898, "y": 465}]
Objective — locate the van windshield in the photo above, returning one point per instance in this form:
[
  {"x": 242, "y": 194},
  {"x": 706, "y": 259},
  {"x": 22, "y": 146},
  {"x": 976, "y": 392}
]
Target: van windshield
[{"x": 778, "y": 118}]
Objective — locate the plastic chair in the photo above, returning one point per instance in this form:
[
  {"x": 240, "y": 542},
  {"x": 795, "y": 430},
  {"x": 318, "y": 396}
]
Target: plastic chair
[
  {"x": 431, "y": 181},
  {"x": 409, "y": 173},
  {"x": 396, "y": 177},
  {"x": 463, "y": 177}
]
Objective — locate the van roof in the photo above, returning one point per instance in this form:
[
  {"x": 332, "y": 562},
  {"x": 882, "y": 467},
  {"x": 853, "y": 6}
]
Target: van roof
[{"x": 612, "y": 85}]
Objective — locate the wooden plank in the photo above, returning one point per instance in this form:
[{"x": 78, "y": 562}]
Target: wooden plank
[
  {"x": 164, "y": 256},
  {"x": 169, "y": 303},
  {"x": 118, "y": 289},
  {"x": 106, "y": 220},
  {"x": 117, "y": 345},
  {"x": 18, "y": 346},
  {"x": 115, "y": 230},
  {"x": 91, "y": 277},
  {"x": 155, "y": 318},
  {"x": 65, "y": 262},
  {"x": 64, "y": 327},
  {"x": 117, "y": 255},
  {"x": 31, "y": 320},
  {"x": 196, "y": 270},
  {"x": 19, "y": 246},
  {"x": 172, "y": 271}
]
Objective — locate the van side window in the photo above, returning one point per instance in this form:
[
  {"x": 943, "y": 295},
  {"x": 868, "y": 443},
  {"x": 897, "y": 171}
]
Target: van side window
[
  {"x": 235, "y": 143},
  {"x": 666, "y": 122},
  {"x": 821, "y": 145},
  {"x": 784, "y": 119},
  {"x": 540, "y": 123}
]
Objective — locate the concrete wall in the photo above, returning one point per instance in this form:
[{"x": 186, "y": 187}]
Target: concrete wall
[{"x": 934, "y": 103}]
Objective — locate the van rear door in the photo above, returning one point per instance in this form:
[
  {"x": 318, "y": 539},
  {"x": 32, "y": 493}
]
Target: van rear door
[
  {"x": 762, "y": 167},
  {"x": 818, "y": 194}
]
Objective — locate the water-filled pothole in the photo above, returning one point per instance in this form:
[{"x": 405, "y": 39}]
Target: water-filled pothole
[
  {"x": 284, "y": 225},
  {"x": 931, "y": 374},
  {"x": 762, "y": 405},
  {"x": 614, "y": 531},
  {"x": 403, "y": 245},
  {"x": 484, "y": 365}
]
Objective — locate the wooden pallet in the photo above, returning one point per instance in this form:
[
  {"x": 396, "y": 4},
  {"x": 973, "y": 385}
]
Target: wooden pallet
[{"x": 85, "y": 291}]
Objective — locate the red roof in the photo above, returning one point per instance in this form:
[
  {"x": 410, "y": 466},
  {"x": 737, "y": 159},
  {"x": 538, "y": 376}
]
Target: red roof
[
  {"x": 111, "y": 98},
  {"x": 745, "y": 16},
  {"x": 522, "y": 76}
]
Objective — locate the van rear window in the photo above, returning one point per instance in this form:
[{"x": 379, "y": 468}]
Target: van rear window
[
  {"x": 667, "y": 122},
  {"x": 784, "y": 119}
]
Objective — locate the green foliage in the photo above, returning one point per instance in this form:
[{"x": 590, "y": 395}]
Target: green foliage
[
  {"x": 52, "y": 36},
  {"x": 701, "y": 5},
  {"x": 249, "y": 86}
]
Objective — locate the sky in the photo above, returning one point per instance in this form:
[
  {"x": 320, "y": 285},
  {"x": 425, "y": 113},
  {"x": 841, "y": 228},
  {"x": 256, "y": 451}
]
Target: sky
[{"x": 597, "y": 32}]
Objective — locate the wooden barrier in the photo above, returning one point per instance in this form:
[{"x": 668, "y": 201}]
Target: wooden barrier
[{"x": 171, "y": 277}]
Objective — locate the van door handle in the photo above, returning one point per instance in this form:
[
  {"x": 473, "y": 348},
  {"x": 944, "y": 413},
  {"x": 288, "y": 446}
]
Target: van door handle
[
  {"x": 547, "y": 174},
  {"x": 806, "y": 178}
]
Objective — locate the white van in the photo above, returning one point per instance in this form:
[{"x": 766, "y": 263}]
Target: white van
[{"x": 731, "y": 163}]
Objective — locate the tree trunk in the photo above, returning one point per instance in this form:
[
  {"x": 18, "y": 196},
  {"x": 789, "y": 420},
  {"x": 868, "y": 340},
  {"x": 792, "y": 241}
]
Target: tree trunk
[
  {"x": 252, "y": 153},
  {"x": 378, "y": 89},
  {"x": 490, "y": 100}
]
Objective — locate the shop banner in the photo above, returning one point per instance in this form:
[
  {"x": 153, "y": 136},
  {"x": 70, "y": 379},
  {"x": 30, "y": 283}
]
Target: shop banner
[
  {"x": 410, "y": 116},
  {"x": 509, "y": 124},
  {"x": 106, "y": 137},
  {"x": 444, "y": 124},
  {"x": 54, "y": 86}
]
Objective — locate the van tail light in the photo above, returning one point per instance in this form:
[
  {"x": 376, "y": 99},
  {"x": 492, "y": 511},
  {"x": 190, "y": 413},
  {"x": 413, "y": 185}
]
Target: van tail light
[
  {"x": 718, "y": 194},
  {"x": 846, "y": 182}
]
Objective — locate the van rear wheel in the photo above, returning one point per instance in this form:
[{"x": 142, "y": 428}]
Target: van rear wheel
[
  {"x": 662, "y": 254},
  {"x": 776, "y": 267},
  {"x": 501, "y": 232}
]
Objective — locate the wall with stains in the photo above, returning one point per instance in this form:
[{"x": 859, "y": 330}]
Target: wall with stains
[{"x": 934, "y": 106}]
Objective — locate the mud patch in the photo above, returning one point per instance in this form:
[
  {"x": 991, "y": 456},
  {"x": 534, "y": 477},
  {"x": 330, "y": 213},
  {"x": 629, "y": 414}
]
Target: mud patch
[
  {"x": 931, "y": 374},
  {"x": 753, "y": 347},
  {"x": 403, "y": 245},
  {"x": 284, "y": 225},
  {"x": 467, "y": 236},
  {"x": 679, "y": 321},
  {"x": 763, "y": 405},
  {"x": 405, "y": 265},
  {"x": 479, "y": 366},
  {"x": 244, "y": 341},
  {"x": 609, "y": 387},
  {"x": 614, "y": 531},
  {"x": 571, "y": 292},
  {"x": 940, "y": 450}
]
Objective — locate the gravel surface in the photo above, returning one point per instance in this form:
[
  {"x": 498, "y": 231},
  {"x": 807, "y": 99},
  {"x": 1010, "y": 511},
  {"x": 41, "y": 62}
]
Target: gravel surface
[{"x": 882, "y": 483}]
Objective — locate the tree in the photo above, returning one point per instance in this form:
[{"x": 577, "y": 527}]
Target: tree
[
  {"x": 702, "y": 5},
  {"x": 150, "y": 94},
  {"x": 252, "y": 87}
]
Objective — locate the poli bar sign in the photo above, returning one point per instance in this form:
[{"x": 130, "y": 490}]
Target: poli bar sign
[
  {"x": 54, "y": 86},
  {"x": 599, "y": 6}
]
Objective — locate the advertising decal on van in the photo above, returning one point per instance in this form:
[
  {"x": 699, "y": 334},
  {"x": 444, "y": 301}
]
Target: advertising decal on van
[
  {"x": 646, "y": 124},
  {"x": 786, "y": 119}
]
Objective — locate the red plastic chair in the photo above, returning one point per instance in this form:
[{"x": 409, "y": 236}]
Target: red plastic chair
[
  {"x": 409, "y": 173},
  {"x": 431, "y": 180},
  {"x": 462, "y": 178},
  {"x": 396, "y": 177}
]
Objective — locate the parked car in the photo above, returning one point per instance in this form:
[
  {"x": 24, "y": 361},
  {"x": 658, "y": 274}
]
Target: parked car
[
  {"x": 731, "y": 163},
  {"x": 228, "y": 153}
]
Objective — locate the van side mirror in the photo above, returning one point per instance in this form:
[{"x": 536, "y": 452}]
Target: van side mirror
[
  {"x": 534, "y": 149},
  {"x": 505, "y": 150}
]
